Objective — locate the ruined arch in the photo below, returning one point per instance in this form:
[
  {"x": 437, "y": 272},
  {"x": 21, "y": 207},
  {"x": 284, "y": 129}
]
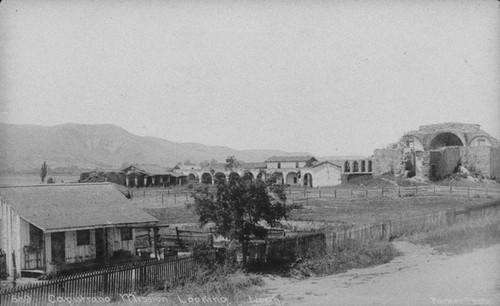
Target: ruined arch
[
  {"x": 476, "y": 141},
  {"x": 445, "y": 139},
  {"x": 206, "y": 178}
]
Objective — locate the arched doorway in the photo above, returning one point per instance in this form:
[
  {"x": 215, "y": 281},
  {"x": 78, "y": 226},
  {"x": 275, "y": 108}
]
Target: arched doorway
[
  {"x": 247, "y": 176},
  {"x": 219, "y": 177},
  {"x": 355, "y": 166},
  {"x": 206, "y": 178},
  {"x": 347, "y": 166},
  {"x": 292, "y": 178},
  {"x": 192, "y": 177},
  {"x": 262, "y": 175},
  {"x": 234, "y": 175},
  {"x": 445, "y": 140},
  {"x": 308, "y": 180},
  {"x": 277, "y": 177}
]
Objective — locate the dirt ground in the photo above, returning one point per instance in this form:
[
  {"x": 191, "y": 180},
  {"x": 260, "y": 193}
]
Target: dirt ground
[{"x": 421, "y": 276}]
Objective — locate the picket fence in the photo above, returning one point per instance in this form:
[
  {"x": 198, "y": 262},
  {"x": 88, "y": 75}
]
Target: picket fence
[{"x": 109, "y": 284}]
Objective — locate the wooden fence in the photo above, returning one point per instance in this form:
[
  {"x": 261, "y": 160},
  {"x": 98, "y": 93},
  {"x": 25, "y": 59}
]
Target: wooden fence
[
  {"x": 110, "y": 284},
  {"x": 166, "y": 197},
  {"x": 408, "y": 225}
]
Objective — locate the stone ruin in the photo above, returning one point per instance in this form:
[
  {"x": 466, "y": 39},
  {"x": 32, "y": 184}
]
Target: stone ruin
[{"x": 436, "y": 151}]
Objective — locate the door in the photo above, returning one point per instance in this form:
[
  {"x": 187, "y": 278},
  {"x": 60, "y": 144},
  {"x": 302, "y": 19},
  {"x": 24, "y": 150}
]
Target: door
[
  {"x": 58, "y": 248},
  {"x": 100, "y": 244}
]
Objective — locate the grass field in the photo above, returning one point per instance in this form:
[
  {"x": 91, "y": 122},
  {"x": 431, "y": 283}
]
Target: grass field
[
  {"x": 345, "y": 212},
  {"x": 372, "y": 210}
]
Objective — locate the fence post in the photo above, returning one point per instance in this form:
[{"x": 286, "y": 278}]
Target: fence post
[
  {"x": 304, "y": 191},
  {"x": 486, "y": 191},
  {"x": 320, "y": 192},
  {"x": 468, "y": 192},
  {"x": 434, "y": 189},
  {"x": 382, "y": 191},
  {"x": 162, "y": 199},
  {"x": 352, "y": 193},
  {"x": 186, "y": 196},
  {"x": 175, "y": 197},
  {"x": 366, "y": 193},
  {"x": 451, "y": 190},
  {"x": 335, "y": 193},
  {"x": 399, "y": 191},
  {"x": 416, "y": 190}
]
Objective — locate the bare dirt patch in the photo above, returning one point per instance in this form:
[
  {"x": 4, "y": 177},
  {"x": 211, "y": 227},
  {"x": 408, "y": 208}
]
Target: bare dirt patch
[{"x": 422, "y": 276}]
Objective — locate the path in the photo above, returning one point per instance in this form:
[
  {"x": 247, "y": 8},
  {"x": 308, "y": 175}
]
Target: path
[{"x": 421, "y": 276}]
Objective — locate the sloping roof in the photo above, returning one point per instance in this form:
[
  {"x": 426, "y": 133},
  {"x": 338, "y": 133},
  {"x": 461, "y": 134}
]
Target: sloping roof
[
  {"x": 274, "y": 159},
  {"x": 253, "y": 165},
  {"x": 148, "y": 169},
  {"x": 73, "y": 206},
  {"x": 319, "y": 163}
]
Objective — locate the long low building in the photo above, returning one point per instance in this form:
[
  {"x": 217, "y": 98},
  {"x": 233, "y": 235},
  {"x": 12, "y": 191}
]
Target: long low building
[{"x": 46, "y": 226}]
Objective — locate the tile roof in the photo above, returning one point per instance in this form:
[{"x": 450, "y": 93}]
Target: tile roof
[
  {"x": 73, "y": 206},
  {"x": 148, "y": 169},
  {"x": 253, "y": 165},
  {"x": 274, "y": 159}
]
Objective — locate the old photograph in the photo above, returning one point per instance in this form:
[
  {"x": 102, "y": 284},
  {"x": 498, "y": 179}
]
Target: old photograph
[{"x": 249, "y": 152}]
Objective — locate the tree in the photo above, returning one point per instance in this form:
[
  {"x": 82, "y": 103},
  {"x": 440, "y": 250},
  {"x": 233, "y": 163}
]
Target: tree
[
  {"x": 238, "y": 207},
  {"x": 43, "y": 171},
  {"x": 232, "y": 163}
]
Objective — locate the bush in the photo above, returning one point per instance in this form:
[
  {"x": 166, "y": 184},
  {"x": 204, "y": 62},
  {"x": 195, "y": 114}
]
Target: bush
[
  {"x": 50, "y": 180},
  {"x": 353, "y": 254},
  {"x": 464, "y": 236}
]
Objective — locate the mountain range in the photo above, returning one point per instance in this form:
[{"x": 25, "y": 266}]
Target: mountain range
[{"x": 84, "y": 146}]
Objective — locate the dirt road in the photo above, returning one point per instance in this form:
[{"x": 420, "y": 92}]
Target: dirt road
[{"x": 421, "y": 276}]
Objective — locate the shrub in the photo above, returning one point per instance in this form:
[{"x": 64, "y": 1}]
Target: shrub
[{"x": 50, "y": 180}]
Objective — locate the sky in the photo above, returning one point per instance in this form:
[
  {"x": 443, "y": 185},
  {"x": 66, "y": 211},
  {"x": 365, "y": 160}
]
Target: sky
[{"x": 324, "y": 77}]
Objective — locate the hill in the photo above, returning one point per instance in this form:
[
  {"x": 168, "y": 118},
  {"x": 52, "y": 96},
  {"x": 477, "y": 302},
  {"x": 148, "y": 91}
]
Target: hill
[{"x": 24, "y": 148}]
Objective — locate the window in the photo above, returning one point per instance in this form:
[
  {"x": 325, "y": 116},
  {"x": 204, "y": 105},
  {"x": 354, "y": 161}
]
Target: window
[
  {"x": 279, "y": 165},
  {"x": 481, "y": 142},
  {"x": 36, "y": 236},
  {"x": 83, "y": 237},
  {"x": 126, "y": 234},
  {"x": 295, "y": 180},
  {"x": 296, "y": 164},
  {"x": 411, "y": 144}
]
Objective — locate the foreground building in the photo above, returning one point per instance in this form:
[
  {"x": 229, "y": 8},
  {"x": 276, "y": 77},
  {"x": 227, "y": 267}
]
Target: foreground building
[
  {"x": 435, "y": 151},
  {"x": 47, "y": 226}
]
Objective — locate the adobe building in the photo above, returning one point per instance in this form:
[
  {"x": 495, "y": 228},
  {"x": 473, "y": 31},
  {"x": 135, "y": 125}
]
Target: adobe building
[{"x": 435, "y": 151}]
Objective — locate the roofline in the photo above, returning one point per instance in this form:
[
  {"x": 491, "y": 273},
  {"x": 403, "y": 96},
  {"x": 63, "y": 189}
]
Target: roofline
[
  {"x": 121, "y": 225},
  {"x": 58, "y": 185}
]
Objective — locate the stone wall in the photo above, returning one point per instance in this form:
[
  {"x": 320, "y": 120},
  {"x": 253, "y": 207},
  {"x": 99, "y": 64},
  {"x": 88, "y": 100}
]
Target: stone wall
[
  {"x": 387, "y": 161},
  {"x": 448, "y": 126},
  {"x": 476, "y": 160},
  {"x": 495, "y": 163}
]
